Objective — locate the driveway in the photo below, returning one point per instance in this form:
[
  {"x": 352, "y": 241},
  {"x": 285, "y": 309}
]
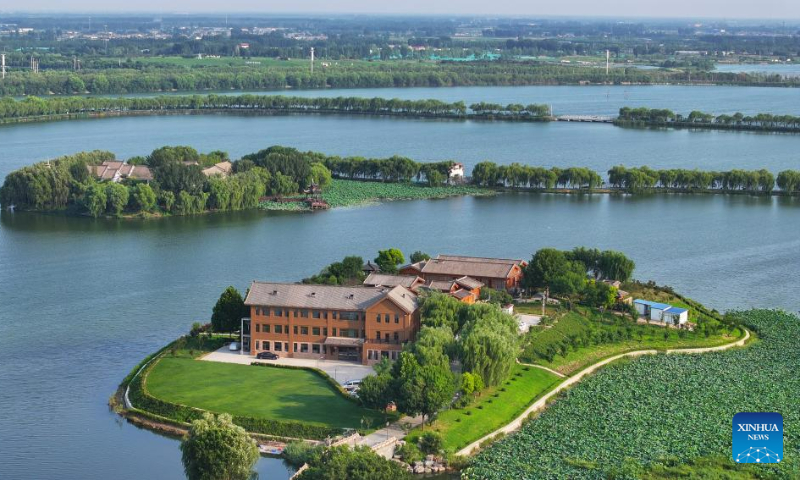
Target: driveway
[{"x": 340, "y": 371}]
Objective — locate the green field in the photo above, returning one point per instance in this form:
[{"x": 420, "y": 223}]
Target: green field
[
  {"x": 258, "y": 392},
  {"x": 580, "y": 338},
  {"x": 496, "y": 406},
  {"x": 662, "y": 416}
]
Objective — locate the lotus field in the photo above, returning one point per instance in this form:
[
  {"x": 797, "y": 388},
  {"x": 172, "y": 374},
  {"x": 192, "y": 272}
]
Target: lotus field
[
  {"x": 343, "y": 193},
  {"x": 636, "y": 417}
]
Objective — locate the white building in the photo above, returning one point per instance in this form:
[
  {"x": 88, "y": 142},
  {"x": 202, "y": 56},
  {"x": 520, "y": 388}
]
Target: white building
[
  {"x": 457, "y": 171},
  {"x": 661, "y": 312}
]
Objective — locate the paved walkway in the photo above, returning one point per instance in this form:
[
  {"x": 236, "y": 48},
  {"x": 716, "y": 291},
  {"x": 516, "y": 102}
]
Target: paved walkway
[
  {"x": 542, "y": 402},
  {"x": 543, "y": 368},
  {"x": 339, "y": 371},
  {"x": 393, "y": 430}
]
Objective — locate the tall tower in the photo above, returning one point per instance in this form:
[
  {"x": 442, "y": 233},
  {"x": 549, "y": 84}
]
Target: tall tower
[
  {"x": 312, "y": 60},
  {"x": 3, "y": 64},
  {"x": 608, "y": 57}
]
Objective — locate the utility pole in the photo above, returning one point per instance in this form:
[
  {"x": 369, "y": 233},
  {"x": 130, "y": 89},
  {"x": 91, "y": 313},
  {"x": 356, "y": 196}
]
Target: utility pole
[
  {"x": 312, "y": 60},
  {"x": 3, "y": 64},
  {"x": 608, "y": 57}
]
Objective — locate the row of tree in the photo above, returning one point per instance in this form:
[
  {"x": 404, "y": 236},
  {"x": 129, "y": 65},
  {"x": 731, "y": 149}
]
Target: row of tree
[
  {"x": 489, "y": 174},
  {"x": 658, "y": 116},
  {"x": 35, "y": 106},
  {"x": 392, "y": 169},
  {"x": 755, "y": 181}
]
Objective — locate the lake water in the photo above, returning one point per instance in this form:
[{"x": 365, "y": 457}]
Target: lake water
[
  {"x": 83, "y": 300},
  {"x": 597, "y": 146},
  {"x": 585, "y": 100}
]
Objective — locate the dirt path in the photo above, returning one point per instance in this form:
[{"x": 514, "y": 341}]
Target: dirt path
[{"x": 542, "y": 402}]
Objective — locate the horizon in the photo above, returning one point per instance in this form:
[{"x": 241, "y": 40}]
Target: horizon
[{"x": 768, "y": 10}]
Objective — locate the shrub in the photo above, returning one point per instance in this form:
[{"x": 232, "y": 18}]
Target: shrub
[
  {"x": 298, "y": 453},
  {"x": 430, "y": 442},
  {"x": 409, "y": 452}
]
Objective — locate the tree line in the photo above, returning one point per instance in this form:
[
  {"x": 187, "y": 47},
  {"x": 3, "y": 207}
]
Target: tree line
[
  {"x": 55, "y": 106},
  {"x": 696, "y": 118},
  {"x": 637, "y": 179},
  {"x": 146, "y": 77},
  {"x": 489, "y": 174}
]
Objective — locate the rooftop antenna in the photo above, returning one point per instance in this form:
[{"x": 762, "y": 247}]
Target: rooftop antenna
[{"x": 312, "y": 60}]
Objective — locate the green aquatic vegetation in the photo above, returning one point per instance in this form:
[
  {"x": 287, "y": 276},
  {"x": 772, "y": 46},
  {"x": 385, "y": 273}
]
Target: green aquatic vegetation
[{"x": 660, "y": 410}]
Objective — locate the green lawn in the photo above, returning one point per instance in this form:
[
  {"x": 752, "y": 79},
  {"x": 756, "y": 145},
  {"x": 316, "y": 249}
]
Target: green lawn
[
  {"x": 598, "y": 337},
  {"x": 258, "y": 392},
  {"x": 496, "y": 406}
]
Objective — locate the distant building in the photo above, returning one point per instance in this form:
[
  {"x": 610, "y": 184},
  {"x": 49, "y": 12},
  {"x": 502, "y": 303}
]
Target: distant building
[
  {"x": 456, "y": 171},
  {"x": 497, "y": 273},
  {"x": 661, "y": 312},
  {"x": 465, "y": 289},
  {"x": 116, "y": 171},
  {"x": 363, "y": 324},
  {"x": 222, "y": 169},
  {"x": 370, "y": 267}
]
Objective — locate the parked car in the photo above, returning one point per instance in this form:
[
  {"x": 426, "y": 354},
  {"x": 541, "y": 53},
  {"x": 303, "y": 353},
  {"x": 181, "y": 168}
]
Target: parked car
[
  {"x": 266, "y": 356},
  {"x": 234, "y": 346},
  {"x": 351, "y": 385}
]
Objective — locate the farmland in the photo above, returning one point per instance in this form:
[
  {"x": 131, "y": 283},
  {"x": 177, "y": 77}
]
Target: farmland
[{"x": 659, "y": 412}]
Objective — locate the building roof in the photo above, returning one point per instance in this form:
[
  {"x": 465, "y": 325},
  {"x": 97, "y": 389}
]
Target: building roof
[
  {"x": 462, "y": 294},
  {"x": 370, "y": 267},
  {"x": 441, "y": 285},
  {"x": 295, "y": 295},
  {"x": 469, "y": 283},
  {"x": 470, "y": 266},
  {"x": 115, "y": 170},
  {"x": 676, "y": 310},
  {"x": 222, "y": 168},
  {"x": 656, "y": 305},
  {"x": 376, "y": 279}
]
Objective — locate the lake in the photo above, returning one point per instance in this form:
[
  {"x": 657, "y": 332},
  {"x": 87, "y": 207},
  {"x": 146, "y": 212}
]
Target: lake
[
  {"x": 84, "y": 300},
  {"x": 563, "y": 144}
]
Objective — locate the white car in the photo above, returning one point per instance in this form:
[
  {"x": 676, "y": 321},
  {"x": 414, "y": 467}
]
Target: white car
[
  {"x": 233, "y": 347},
  {"x": 351, "y": 385}
]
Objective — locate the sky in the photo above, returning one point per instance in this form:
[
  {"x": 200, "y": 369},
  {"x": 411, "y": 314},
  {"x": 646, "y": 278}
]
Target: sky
[{"x": 726, "y": 9}]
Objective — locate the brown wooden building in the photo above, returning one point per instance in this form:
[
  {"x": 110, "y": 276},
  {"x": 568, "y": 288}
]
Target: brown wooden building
[
  {"x": 496, "y": 273},
  {"x": 330, "y": 322}
]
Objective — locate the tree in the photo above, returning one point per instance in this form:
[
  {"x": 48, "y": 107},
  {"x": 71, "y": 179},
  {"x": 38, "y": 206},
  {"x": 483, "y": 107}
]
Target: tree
[
  {"x": 599, "y": 294},
  {"x": 488, "y": 343},
  {"x": 615, "y": 266},
  {"x": 376, "y": 391},
  {"x": 95, "y": 199},
  {"x": 499, "y": 297},
  {"x": 430, "y": 442},
  {"x": 419, "y": 256},
  {"x": 438, "y": 310},
  {"x": 117, "y": 196},
  {"x": 145, "y": 197},
  {"x": 360, "y": 463},
  {"x": 320, "y": 175},
  {"x": 423, "y": 389},
  {"x": 216, "y": 449},
  {"x": 228, "y": 312},
  {"x": 389, "y": 259}
]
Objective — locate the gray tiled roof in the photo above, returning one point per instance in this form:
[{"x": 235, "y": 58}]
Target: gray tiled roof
[
  {"x": 470, "y": 266},
  {"x": 294, "y": 295},
  {"x": 469, "y": 283},
  {"x": 387, "y": 280}
]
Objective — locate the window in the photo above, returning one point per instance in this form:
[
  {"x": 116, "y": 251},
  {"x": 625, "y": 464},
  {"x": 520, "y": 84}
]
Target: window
[
  {"x": 315, "y": 331},
  {"x": 334, "y": 315},
  {"x": 316, "y": 314},
  {"x": 295, "y": 329},
  {"x": 295, "y": 314},
  {"x": 394, "y": 355},
  {"x": 265, "y": 345},
  {"x": 303, "y": 330},
  {"x": 314, "y": 348},
  {"x": 278, "y": 346},
  {"x": 278, "y": 328},
  {"x": 278, "y": 312},
  {"x": 378, "y": 336},
  {"x": 304, "y": 313},
  {"x": 286, "y": 346},
  {"x": 396, "y": 318},
  {"x": 334, "y": 331},
  {"x": 303, "y": 348},
  {"x": 295, "y": 347},
  {"x": 325, "y": 331},
  {"x": 385, "y": 354},
  {"x": 378, "y": 318},
  {"x": 256, "y": 344},
  {"x": 387, "y": 337},
  {"x": 396, "y": 336},
  {"x": 386, "y": 318},
  {"x": 349, "y": 316},
  {"x": 258, "y": 329},
  {"x": 370, "y": 354},
  {"x": 265, "y": 328},
  {"x": 325, "y": 314}
]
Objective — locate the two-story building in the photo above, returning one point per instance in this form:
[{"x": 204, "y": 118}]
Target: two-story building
[{"x": 330, "y": 322}]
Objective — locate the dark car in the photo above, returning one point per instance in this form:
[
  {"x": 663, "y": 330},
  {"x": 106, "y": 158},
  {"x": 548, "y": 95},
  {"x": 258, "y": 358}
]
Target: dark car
[{"x": 266, "y": 356}]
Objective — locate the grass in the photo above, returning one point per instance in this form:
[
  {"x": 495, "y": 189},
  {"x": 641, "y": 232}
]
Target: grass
[
  {"x": 258, "y": 392},
  {"x": 599, "y": 337},
  {"x": 496, "y": 406}
]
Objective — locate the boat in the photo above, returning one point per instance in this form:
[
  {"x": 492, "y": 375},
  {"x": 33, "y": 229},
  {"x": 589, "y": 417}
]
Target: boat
[{"x": 271, "y": 448}]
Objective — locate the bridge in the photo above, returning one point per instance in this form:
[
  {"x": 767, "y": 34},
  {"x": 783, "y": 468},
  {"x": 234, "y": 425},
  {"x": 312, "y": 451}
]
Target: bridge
[{"x": 585, "y": 118}]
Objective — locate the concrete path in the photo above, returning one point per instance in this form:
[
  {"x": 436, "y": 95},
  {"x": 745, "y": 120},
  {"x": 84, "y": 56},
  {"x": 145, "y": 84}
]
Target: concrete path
[
  {"x": 542, "y": 402},
  {"x": 543, "y": 368},
  {"x": 393, "y": 430},
  {"x": 339, "y": 371}
]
